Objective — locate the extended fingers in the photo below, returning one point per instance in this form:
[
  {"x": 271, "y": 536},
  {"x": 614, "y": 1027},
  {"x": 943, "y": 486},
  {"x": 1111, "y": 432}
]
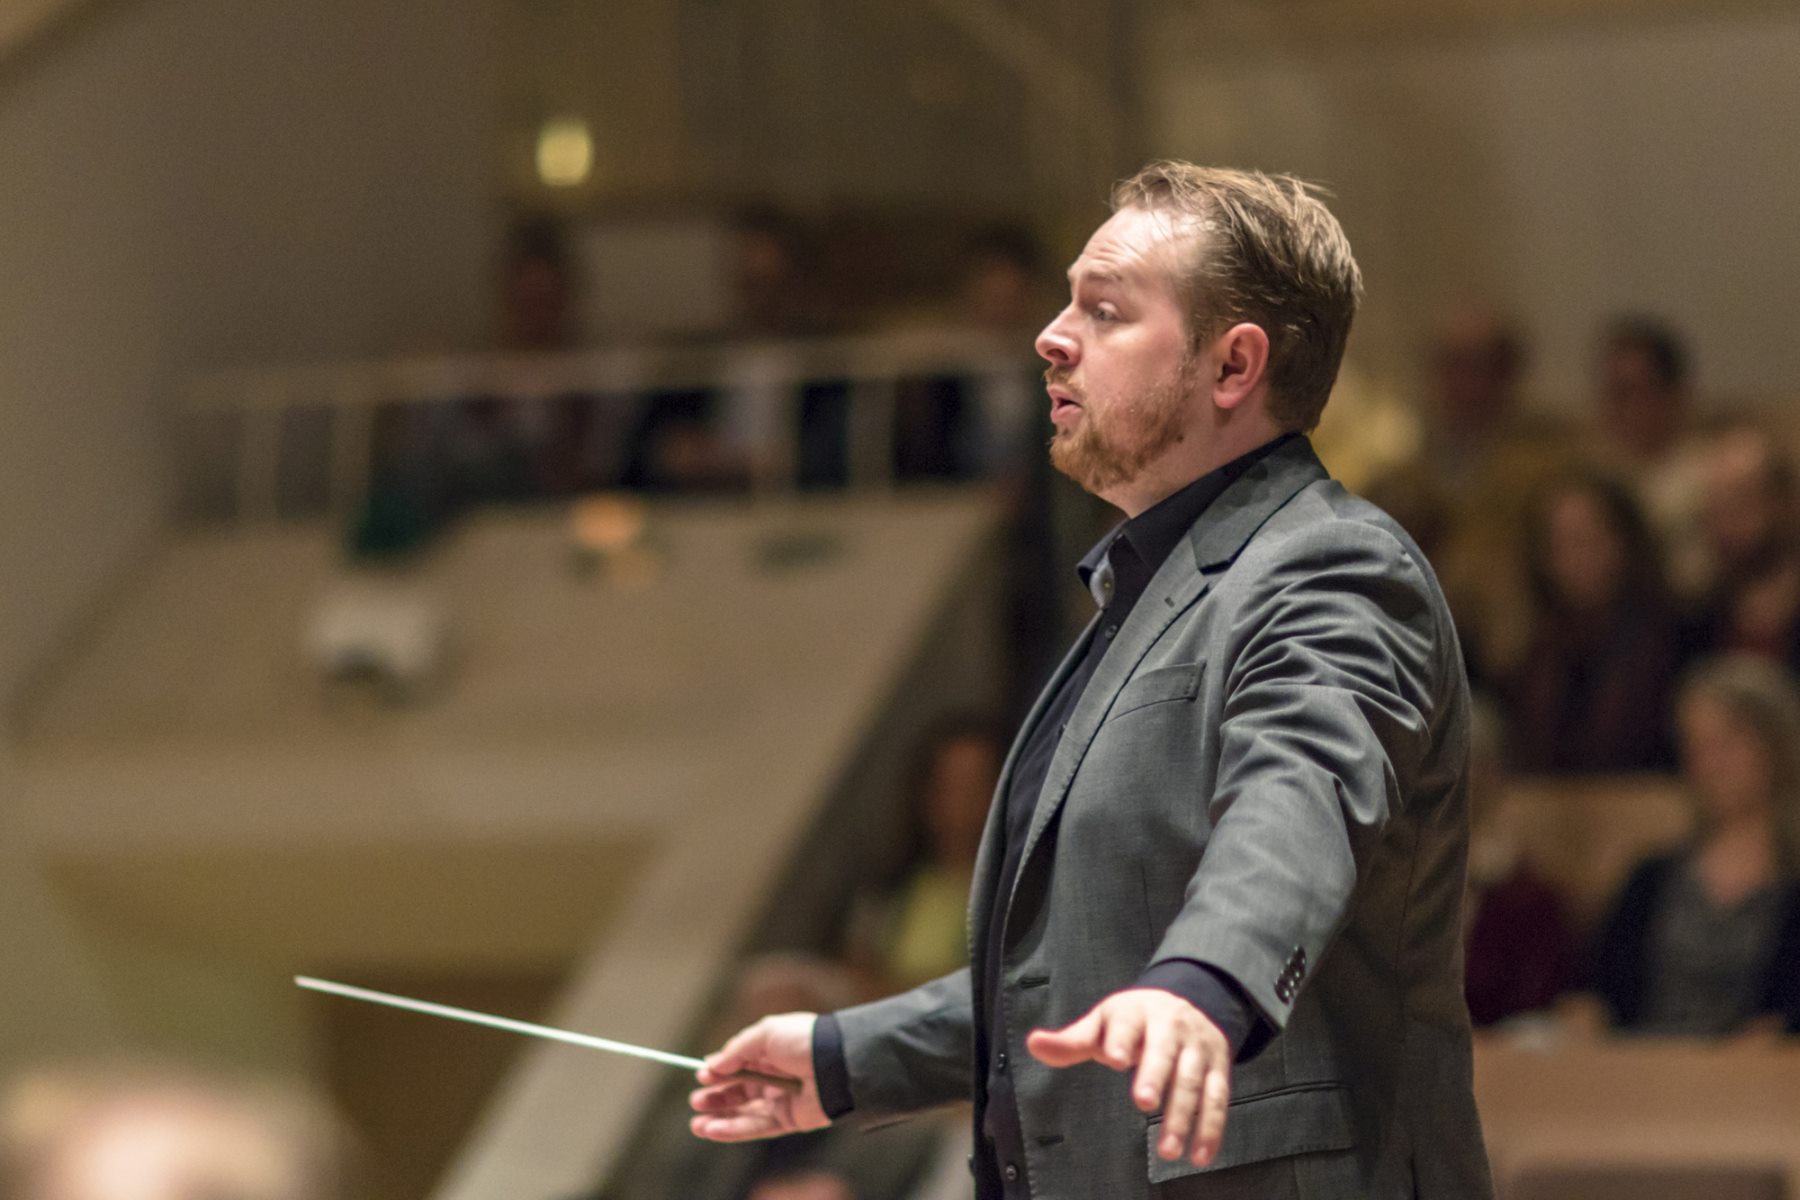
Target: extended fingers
[
  {"x": 721, "y": 1096},
  {"x": 742, "y": 1125},
  {"x": 1183, "y": 1101},
  {"x": 1161, "y": 1048},
  {"x": 1215, "y": 1102},
  {"x": 737, "y": 1112}
]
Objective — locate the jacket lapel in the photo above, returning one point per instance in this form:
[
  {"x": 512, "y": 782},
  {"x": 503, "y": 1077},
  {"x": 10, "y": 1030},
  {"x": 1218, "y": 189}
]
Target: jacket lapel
[
  {"x": 1216, "y": 539},
  {"x": 993, "y": 838},
  {"x": 1226, "y": 528}
]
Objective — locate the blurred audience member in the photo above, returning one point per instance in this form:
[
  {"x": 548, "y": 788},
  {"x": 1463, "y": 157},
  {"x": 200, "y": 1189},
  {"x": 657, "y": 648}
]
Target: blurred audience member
[
  {"x": 1750, "y": 511},
  {"x": 166, "y": 1135},
  {"x": 915, "y": 929},
  {"x": 1645, "y": 434},
  {"x": 432, "y": 462},
  {"x": 959, "y": 427},
  {"x": 404, "y": 509},
  {"x": 1520, "y": 945},
  {"x": 1481, "y": 462},
  {"x": 773, "y": 271},
  {"x": 1003, "y": 289},
  {"x": 503, "y": 448},
  {"x": 1369, "y": 433},
  {"x": 760, "y": 424},
  {"x": 1475, "y": 365},
  {"x": 536, "y": 290},
  {"x": 991, "y": 424},
  {"x": 1419, "y": 507},
  {"x": 807, "y": 1184},
  {"x": 1706, "y": 941},
  {"x": 570, "y": 439},
  {"x": 899, "y": 935},
  {"x": 485, "y": 454},
  {"x": 1591, "y": 692},
  {"x": 1643, "y": 390},
  {"x": 923, "y": 932}
]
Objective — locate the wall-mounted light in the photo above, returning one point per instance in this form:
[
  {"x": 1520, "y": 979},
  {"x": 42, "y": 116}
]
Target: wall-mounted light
[{"x": 565, "y": 152}]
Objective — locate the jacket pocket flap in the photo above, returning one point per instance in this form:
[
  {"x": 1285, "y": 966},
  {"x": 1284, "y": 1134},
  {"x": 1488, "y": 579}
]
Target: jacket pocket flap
[
  {"x": 1301, "y": 1119},
  {"x": 1164, "y": 684}
]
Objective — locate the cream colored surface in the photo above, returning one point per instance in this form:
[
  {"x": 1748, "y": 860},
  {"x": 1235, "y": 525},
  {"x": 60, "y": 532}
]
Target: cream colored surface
[
  {"x": 1564, "y": 169},
  {"x": 190, "y": 184},
  {"x": 562, "y": 1120},
  {"x": 1639, "y": 1102},
  {"x": 413, "y": 904},
  {"x": 612, "y": 777},
  {"x": 51, "y": 992},
  {"x": 548, "y": 658}
]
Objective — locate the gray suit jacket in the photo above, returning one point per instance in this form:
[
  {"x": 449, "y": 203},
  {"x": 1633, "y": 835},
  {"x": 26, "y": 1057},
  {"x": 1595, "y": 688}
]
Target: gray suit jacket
[{"x": 1267, "y": 773}]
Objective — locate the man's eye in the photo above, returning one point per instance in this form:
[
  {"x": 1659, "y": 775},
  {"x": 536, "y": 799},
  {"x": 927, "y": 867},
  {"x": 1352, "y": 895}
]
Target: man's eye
[{"x": 1102, "y": 313}]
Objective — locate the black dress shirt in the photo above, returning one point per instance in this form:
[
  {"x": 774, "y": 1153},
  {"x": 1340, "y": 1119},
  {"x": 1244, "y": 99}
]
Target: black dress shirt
[{"x": 1116, "y": 571}]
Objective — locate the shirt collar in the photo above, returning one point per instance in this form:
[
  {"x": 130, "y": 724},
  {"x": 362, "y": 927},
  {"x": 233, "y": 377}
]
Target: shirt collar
[{"x": 1156, "y": 531}]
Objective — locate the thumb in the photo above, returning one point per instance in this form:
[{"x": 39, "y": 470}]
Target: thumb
[
  {"x": 744, "y": 1047},
  {"x": 1075, "y": 1043}
]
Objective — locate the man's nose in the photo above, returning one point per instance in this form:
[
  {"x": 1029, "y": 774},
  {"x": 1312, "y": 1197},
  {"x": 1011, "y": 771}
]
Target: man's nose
[{"x": 1056, "y": 345}]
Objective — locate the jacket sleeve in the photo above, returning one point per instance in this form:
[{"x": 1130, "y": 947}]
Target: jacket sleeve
[
  {"x": 912, "y": 1051},
  {"x": 1340, "y": 661}
]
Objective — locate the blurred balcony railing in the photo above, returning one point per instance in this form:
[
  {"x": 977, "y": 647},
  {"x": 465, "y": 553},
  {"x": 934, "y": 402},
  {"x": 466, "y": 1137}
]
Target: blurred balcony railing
[{"x": 266, "y": 444}]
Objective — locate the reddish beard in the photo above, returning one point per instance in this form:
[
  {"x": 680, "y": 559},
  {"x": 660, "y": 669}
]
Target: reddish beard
[{"x": 1112, "y": 444}]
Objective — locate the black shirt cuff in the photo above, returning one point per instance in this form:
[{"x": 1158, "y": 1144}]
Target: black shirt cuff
[
  {"x": 1214, "y": 993},
  {"x": 830, "y": 1072}
]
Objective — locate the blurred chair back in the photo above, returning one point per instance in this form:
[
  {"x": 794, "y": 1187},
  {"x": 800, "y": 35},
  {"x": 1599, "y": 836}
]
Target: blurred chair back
[{"x": 1645, "y": 1118}]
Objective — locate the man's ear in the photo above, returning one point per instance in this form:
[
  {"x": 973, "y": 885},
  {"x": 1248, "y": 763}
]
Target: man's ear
[{"x": 1242, "y": 355}]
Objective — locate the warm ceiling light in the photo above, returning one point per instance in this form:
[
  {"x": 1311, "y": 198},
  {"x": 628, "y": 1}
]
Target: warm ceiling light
[{"x": 565, "y": 152}]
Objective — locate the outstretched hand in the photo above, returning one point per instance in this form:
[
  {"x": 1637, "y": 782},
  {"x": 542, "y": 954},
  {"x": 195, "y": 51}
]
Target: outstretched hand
[
  {"x": 730, "y": 1108},
  {"x": 1183, "y": 1063}
]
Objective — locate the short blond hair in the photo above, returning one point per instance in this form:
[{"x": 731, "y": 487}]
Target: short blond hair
[
  {"x": 1272, "y": 254},
  {"x": 1764, "y": 696}
]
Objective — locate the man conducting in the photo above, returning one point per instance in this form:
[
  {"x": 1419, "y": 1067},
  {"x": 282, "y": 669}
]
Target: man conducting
[{"x": 1226, "y": 855}]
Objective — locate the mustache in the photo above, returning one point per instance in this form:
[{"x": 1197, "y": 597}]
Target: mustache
[{"x": 1055, "y": 376}]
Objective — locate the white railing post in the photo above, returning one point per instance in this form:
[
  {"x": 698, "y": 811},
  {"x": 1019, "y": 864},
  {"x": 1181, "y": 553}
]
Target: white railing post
[
  {"x": 352, "y": 447},
  {"x": 871, "y": 434},
  {"x": 259, "y": 460}
]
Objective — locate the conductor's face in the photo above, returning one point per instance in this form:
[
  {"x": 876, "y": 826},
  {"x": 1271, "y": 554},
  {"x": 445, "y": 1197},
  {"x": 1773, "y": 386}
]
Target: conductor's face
[{"x": 1121, "y": 379}]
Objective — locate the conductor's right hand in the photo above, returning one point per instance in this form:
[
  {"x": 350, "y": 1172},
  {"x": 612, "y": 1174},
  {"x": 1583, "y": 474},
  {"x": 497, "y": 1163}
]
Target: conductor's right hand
[{"x": 731, "y": 1108}]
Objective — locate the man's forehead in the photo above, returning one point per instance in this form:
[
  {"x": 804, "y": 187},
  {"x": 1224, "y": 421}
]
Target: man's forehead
[{"x": 1137, "y": 245}]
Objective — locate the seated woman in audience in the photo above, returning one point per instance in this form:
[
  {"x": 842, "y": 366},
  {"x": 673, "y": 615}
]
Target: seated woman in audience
[
  {"x": 913, "y": 928},
  {"x": 901, "y": 932},
  {"x": 1591, "y": 693},
  {"x": 1706, "y": 941}
]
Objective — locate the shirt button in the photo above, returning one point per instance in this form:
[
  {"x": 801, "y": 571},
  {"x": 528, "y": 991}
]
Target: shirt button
[
  {"x": 1111, "y": 629},
  {"x": 1000, "y": 1061},
  {"x": 1011, "y": 1173}
]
